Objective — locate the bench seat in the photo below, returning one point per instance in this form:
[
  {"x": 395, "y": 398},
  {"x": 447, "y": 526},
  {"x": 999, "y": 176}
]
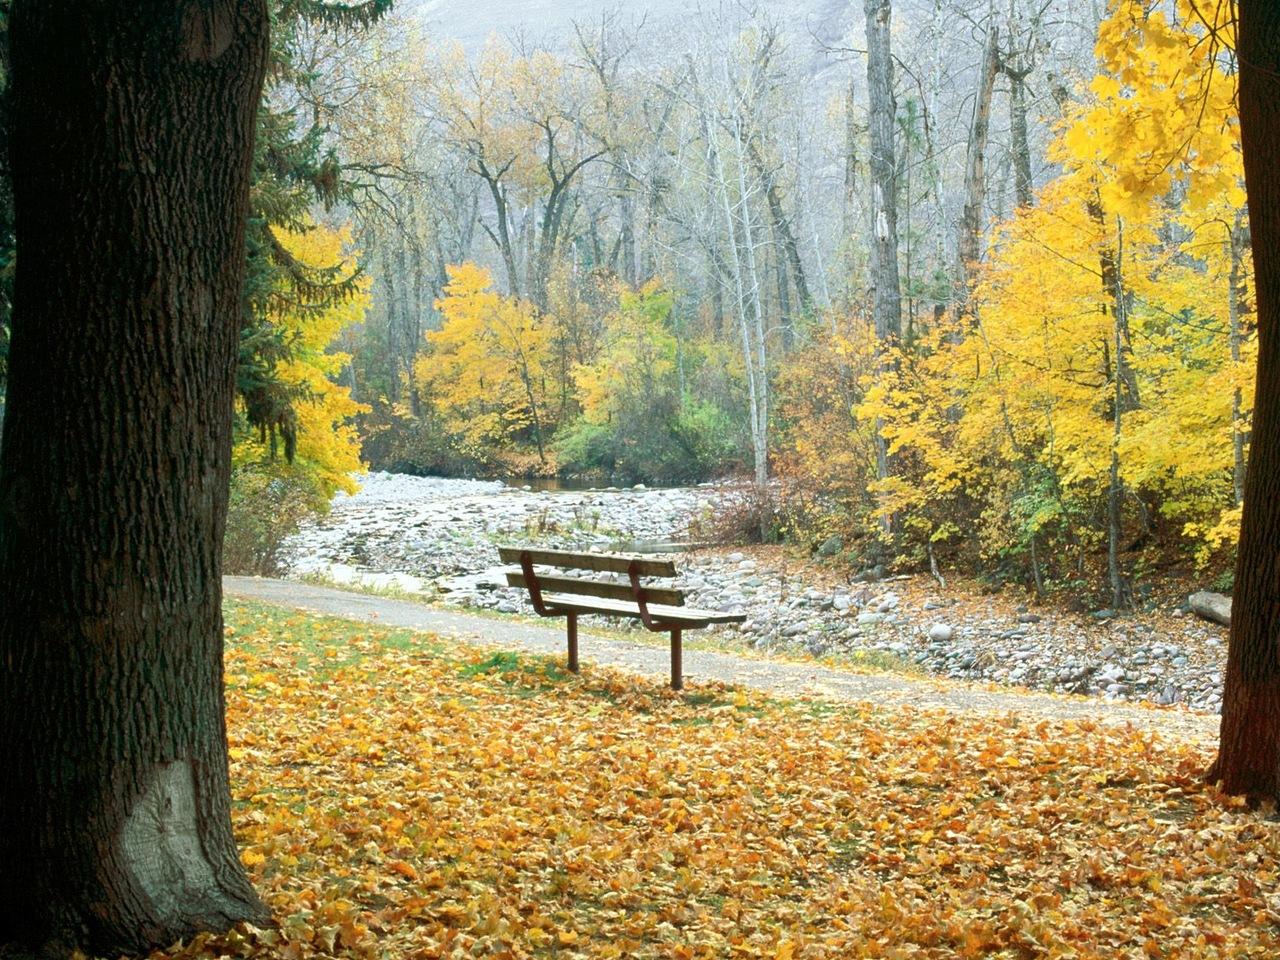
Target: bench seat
[{"x": 682, "y": 616}]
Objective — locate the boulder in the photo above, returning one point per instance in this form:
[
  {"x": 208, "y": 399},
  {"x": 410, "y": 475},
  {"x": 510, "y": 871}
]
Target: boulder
[
  {"x": 870, "y": 575},
  {"x": 831, "y": 546},
  {"x": 941, "y": 632},
  {"x": 1211, "y": 606}
]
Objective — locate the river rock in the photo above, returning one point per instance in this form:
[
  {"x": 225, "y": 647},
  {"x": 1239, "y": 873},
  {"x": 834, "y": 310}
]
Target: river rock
[
  {"x": 887, "y": 603},
  {"x": 1211, "y": 606},
  {"x": 428, "y": 533},
  {"x": 941, "y": 632},
  {"x": 831, "y": 546}
]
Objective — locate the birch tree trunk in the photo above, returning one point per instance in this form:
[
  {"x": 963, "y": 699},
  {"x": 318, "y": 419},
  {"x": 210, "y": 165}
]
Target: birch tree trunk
[
  {"x": 969, "y": 242},
  {"x": 886, "y": 290},
  {"x": 741, "y": 261}
]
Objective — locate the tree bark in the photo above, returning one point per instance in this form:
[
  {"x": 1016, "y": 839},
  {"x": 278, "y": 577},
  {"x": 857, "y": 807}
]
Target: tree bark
[
  {"x": 1124, "y": 397},
  {"x": 851, "y": 175},
  {"x": 969, "y": 244},
  {"x": 1238, "y": 241},
  {"x": 1249, "y": 753},
  {"x": 133, "y": 140},
  {"x": 1019, "y": 145},
  {"x": 886, "y": 289},
  {"x": 781, "y": 224}
]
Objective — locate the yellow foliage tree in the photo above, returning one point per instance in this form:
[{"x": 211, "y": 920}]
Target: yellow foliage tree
[
  {"x": 270, "y": 496},
  {"x": 1109, "y": 363},
  {"x": 328, "y": 449},
  {"x": 488, "y": 367}
]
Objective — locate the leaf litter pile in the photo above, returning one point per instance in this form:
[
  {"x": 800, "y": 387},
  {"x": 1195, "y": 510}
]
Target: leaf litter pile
[{"x": 399, "y": 796}]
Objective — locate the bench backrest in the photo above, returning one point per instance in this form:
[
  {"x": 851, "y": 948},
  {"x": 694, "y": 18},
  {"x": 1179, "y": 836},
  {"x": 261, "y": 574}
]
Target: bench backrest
[{"x": 597, "y": 562}]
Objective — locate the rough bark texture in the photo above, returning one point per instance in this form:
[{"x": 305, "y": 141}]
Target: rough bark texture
[
  {"x": 887, "y": 295},
  {"x": 1019, "y": 146},
  {"x": 969, "y": 243},
  {"x": 1249, "y": 755},
  {"x": 1236, "y": 307},
  {"x": 886, "y": 289},
  {"x": 132, "y": 143}
]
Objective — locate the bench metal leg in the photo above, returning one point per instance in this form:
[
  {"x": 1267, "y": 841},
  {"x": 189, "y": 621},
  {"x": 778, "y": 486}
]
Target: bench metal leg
[
  {"x": 677, "y": 665},
  {"x": 572, "y": 622}
]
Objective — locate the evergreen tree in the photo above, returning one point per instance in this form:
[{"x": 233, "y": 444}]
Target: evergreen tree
[{"x": 293, "y": 170}]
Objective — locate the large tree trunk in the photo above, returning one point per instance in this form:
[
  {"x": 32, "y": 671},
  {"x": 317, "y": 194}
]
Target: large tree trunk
[
  {"x": 1249, "y": 755},
  {"x": 133, "y": 130}
]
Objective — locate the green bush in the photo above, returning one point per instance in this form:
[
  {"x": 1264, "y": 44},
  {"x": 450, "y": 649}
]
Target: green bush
[
  {"x": 268, "y": 505},
  {"x": 656, "y": 445}
]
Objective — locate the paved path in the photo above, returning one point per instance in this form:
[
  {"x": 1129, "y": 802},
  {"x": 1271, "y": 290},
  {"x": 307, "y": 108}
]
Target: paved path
[{"x": 787, "y": 678}]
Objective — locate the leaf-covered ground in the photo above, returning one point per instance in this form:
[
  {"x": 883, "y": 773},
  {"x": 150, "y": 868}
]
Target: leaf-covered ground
[{"x": 400, "y": 797}]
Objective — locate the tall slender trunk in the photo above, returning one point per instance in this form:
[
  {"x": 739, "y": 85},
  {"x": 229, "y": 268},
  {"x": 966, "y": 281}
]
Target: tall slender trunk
[
  {"x": 1019, "y": 145},
  {"x": 1249, "y": 754},
  {"x": 969, "y": 243},
  {"x": 389, "y": 278},
  {"x": 416, "y": 309},
  {"x": 851, "y": 176},
  {"x": 886, "y": 293},
  {"x": 133, "y": 129},
  {"x": 627, "y": 209},
  {"x": 715, "y": 273},
  {"x": 784, "y": 300},
  {"x": 527, "y": 380},
  {"x": 1124, "y": 399},
  {"x": 501, "y": 235},
  {"x": 746, "y": 299},
  {"x": 1239, "y": 243},
  {"x": 785, "y": 237},
  {"x": 761, "y": 404}
]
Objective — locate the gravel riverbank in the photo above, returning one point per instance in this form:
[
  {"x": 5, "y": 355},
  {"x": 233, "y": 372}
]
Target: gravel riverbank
[{"x": 439, "y": 538}]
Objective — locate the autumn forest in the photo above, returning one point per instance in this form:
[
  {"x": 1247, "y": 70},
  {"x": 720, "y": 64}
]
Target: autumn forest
[
  {"x": 978, "y": 295},
  {"x": 890, "y": 388}
]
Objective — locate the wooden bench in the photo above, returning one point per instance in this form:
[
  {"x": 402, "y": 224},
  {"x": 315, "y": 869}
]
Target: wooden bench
[{"x": 660, "y": 609}]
